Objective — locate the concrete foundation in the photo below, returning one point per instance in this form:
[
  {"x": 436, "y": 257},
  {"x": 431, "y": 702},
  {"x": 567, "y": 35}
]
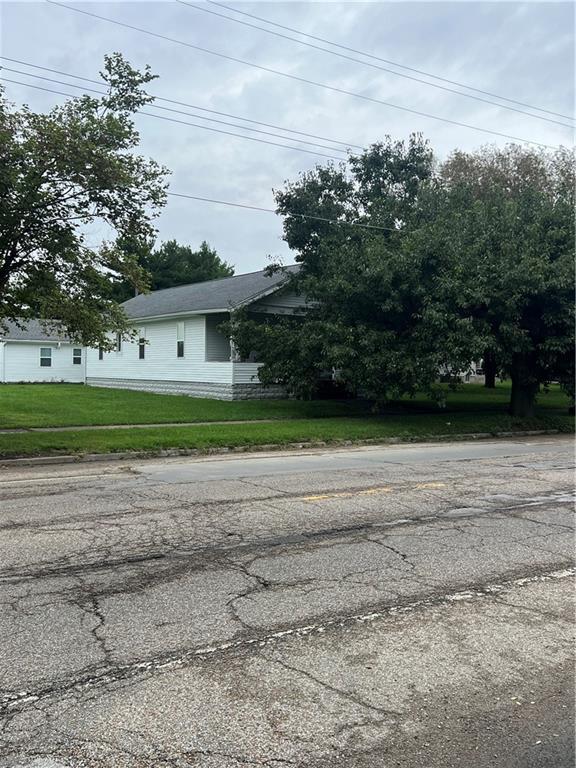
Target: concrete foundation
[{"x": 208, "y": 389}]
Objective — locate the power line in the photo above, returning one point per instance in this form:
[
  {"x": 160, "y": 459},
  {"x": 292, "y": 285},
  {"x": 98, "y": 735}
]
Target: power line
[
  {"x": 346, "y": 144},
  {"x": 185, "y": 122},
  {"x": 225, "y": 202},
  {"x": 177, "y": 111},
  {"x": 388, "y": 61},
  {"x": 302, "y": 79},
  {"x": 271, "y": 210},
  {"x": 365, "y": 63}
]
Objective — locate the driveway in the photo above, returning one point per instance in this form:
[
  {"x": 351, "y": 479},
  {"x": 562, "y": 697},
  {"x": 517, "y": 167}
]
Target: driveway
[{"x": 383, "y": 606}]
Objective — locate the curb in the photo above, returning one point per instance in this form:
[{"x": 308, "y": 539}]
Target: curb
[{"x": 31, "y": 461}]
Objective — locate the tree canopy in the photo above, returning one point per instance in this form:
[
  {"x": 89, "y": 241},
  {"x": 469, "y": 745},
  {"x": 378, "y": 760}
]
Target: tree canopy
[
  {"x": 173, "y": 264},
  {"x": 464, "y": 256},
  {"x": 61, "y": 172},
  {"x": 505, "y": 219}
]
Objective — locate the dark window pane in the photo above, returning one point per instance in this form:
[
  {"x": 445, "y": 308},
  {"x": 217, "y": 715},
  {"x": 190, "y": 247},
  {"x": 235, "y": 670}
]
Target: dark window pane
[
  {"x": 45, "y": 362},
  {"x": 180, "y": 349},
  {"x": 100, "y": 353},
  {"x": 141, "y": 348}
]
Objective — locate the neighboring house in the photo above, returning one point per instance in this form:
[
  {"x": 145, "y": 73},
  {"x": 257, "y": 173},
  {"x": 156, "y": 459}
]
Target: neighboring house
[
  {"x": 179, "y": 347},
  {"x": 32, "y": 353}
]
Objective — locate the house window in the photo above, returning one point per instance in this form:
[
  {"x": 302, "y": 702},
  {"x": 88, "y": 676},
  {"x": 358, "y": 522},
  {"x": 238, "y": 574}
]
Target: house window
[
  {"x": 100, "y": 353},
  {"x": 45, "y": 357},
  {"x": 179, "y": 339},
  {"x": 142, "y": 343},
  {"x": 118, "y": 342},
  {"x": 77, "y": 356}
]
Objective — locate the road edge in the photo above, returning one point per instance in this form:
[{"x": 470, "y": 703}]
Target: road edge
[{"x": 78, "y": 458}]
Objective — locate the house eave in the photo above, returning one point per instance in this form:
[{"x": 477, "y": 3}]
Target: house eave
[
  {"x": 38, "y": 341},
  {"x": 187, "y": 313}
]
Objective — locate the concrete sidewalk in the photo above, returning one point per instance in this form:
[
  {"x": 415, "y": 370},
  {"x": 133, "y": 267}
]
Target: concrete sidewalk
[{"x": 82, "y": 427}]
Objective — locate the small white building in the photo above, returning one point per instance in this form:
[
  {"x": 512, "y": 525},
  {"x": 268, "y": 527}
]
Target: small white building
[
  {"x": 179, "y": 346},
  {"x": 29, "y": 352}
]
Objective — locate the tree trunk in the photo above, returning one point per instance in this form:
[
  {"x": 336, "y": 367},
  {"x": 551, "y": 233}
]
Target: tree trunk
[
  {"x": 490, "y": 371},
  {"x": 524, "y": 388}
]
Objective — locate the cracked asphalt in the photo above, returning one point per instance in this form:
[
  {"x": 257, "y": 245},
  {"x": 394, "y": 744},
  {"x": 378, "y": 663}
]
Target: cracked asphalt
[{"x": 369, "y": 607}]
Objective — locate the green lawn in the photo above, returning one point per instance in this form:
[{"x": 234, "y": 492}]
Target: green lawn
[
  {"x": 56, "y": 405},
  {"x": 59, "y": 405},
  {"x": 473, "y": 409},
  {"x": 203, "y": 437}
]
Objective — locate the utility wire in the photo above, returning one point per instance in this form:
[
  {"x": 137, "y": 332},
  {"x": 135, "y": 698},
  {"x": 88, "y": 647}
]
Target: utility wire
[
  {"x": 225, "y": 202},
  {"x": 324, "y": 86},
  {"x": 271, "y": 210},
  {"x": 388, "y": 61},
  {"x": 196, "y": 7},
  {"x": 184, "y": 122},
  {"x": 346, "y": 144},
  {"x": 85, "y": 88}
]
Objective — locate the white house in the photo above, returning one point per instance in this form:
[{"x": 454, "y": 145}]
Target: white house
[
  {"x": 179, "y": 347},
  {"x": 31, "y": 353}
]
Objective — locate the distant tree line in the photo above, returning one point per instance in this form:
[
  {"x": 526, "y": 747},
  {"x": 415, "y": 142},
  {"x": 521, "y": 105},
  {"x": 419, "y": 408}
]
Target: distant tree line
[{"x": 172, "y": 264}]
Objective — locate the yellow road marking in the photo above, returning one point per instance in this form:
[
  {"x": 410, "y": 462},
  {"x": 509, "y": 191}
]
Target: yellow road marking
[{"x": 347, "y": 494}]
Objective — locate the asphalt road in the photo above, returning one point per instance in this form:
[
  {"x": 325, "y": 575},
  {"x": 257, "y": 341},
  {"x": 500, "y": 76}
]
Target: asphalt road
[{"x": 373, "y": 607}]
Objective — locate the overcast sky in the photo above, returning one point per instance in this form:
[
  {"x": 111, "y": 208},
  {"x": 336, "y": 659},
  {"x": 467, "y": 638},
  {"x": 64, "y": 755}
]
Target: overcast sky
[{"x": 523, "y": 51}]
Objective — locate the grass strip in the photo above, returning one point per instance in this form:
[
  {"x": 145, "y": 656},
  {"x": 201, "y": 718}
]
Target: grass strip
[{"x": 205, "y": 437}]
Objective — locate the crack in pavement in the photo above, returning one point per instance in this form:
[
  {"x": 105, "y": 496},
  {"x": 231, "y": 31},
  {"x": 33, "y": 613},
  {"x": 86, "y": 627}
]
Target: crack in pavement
[
  {"x": 171, "y": 553},
  {"x": 18, "y": 701},
  {"x": 348, "y": 695}
]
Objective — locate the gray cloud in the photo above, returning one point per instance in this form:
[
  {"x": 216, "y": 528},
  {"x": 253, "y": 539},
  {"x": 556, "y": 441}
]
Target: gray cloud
[{"x": 521, "y": 50}]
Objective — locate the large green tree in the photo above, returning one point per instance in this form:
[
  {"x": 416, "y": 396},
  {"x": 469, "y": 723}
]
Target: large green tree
[
  {"x": 375, "y": 316},
  {"x": 504, "y": 220},
  {"x": 468, "y": 256},
  {"x": 60, "y": 173},
  {"x": 173, "y": 264}
]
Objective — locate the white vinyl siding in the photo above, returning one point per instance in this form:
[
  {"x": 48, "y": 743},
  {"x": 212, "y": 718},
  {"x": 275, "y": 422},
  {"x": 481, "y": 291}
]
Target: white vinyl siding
[
  {"x": 160, "y": 361},
  {"x": 21, "y": 362},
  {"x": 246, "y": 373},
  {"x": 280, "y": 303},
  {"x": 217, "y": 344}
]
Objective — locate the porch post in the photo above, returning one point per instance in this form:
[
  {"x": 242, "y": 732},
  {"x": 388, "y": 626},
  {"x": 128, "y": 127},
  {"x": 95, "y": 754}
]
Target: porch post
[{"x": 234, "y": 354}]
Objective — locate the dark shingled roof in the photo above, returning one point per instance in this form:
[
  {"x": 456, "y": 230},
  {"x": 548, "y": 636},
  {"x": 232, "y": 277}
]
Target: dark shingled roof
[
  {"x": 32, "y": 330},
  {"x": 223, "y": 294}
]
